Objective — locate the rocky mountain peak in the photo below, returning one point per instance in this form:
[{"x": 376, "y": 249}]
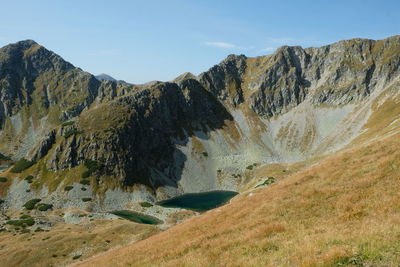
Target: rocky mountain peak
[{"x": 161, "y": 134}]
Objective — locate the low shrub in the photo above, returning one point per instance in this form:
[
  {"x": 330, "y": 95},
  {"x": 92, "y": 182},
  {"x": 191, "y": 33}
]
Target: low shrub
[
  {"x": 4, "y": 157},
  {"x": 145, "y": 204},
  {"x": 86, "y": 199},
  {"x": 86, "y": 174},
  {"x": 44, "y": 207},
  {"x": 25, "y": 231},
  {"x": 76, "y": 257},
  {"x": 92, "y": 166},
  {"x": 70, "y": 132},
  {"x": 268, "y": 181},
  {"x": 3, "y": 179},
  {"x": 25, "y": 221},
  {"x": 21, "y": 165},
  {"x": 250, "y": 167},
  {"x": 205, "y": 154},
  {"x": 30, "y": 205},
  {"x": 29, "y": 179},
  {"x": 68, "y": 188},
  {"x": 85, "y": 182},
  {"x": 67, "y": 123}
]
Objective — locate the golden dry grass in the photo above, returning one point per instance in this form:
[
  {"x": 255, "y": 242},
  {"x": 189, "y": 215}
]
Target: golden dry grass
[
  {"x": 344, "y": 210},
  {"x": 58, "y": 246}
]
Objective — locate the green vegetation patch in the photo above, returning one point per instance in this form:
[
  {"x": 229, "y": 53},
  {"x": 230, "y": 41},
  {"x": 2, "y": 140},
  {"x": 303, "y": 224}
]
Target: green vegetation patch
[
  {"x": 31, "y": 204},
  {"x": 72, "y": 131},
  {"x": 250, "y": 167},
  {"x": 268, "y": 181},
  {"x": 85, "y": 182},
  {"x": 44, "y": 207},
  {"x": 4, "y": 157},
  {"x": 68, "y": 188},
  {"x": 76, "y": 257},
  {"x": 92, "y": 166},
  {"x": 3, "y": 179},
  {"x": 86, "y": 199},
  {"x": 21, "y": 165},
  {"x": 68, "y": 123},
  {"x": 29, "y": 178},
  {"x": 205, "y": 154},
  {"x": 24, "y": 220},
  {"x": 145, "y": 204}
]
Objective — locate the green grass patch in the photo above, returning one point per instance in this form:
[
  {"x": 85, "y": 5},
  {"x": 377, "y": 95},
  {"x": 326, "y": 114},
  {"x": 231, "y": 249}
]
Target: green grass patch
[
  {"x": 68, "y": 188},
  {"x": 4, "y": 157},
  {"x": 30, "y": 205},
  {"x": 21, "y": 165},
  {"x": 71, "y": 132},
  {"x": 85, "y": 182},
  {"x": 92, "y": 166},
  {"x": 25, "y": 231},
  {"x": 67, "y": 123},
  {"x": 76, "y": 257},
  {"x": 268, "y": 181},
  {"x": 44, "y": 207},
  {"x": 145, "y": 204},
  {"x": 29, "y": 178},
  {"x": 24, "y": 220}
]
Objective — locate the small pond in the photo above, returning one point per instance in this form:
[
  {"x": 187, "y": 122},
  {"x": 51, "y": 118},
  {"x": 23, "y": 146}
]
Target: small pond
[
  {"x": 199, "y": 201},
  {"x": 136, "y": 217}
]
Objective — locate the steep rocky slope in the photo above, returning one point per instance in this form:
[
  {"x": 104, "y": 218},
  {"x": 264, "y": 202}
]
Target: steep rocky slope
[{"x": 151, "y": 141}]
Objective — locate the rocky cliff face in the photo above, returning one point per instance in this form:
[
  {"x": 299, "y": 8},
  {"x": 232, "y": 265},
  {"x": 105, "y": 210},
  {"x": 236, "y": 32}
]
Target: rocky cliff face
[{"x": 196, "y": 133}]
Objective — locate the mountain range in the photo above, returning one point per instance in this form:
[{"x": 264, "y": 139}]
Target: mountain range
[{"x": 229, "y": 128}]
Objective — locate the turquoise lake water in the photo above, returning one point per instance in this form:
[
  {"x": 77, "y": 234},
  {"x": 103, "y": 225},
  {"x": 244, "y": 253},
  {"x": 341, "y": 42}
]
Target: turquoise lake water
[
  {"x": 136, "y": 217},
  {"x": 199, "y": 201}
]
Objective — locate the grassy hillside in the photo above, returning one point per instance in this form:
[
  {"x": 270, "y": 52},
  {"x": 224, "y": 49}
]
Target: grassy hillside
[
  {"x": 66, "y": 243},
  {"x": 343, "y": 211}
]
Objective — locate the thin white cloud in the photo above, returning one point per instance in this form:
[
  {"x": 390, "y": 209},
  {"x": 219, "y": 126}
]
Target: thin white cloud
[
  {"x": 268, "y": 49},
  {"x": 220, "y": 44},
  {"x": 272, "y": 44},
  {"x": 281, "y": 41}
]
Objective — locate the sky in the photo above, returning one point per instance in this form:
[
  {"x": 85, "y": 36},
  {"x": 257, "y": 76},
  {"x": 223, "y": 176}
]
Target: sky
[{"x": 141, "y": 41}]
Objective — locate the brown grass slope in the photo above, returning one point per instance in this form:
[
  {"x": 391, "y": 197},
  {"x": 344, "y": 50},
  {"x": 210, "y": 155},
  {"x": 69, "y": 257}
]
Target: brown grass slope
[
  {"x": 345, "y": 210},
  {"x": 63, "y": 242}
]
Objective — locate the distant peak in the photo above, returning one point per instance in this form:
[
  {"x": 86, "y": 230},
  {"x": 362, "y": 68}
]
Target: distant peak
[
  {"x": 23, "y": 45},
  {"x": 105, "y": 77},
  {"x": 27, "y": 42},
  {"x": 184, "y": 76}
]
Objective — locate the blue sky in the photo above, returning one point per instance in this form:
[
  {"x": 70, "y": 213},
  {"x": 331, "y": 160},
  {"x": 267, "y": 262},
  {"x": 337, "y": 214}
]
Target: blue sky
[{"x": 140, "y": 41}]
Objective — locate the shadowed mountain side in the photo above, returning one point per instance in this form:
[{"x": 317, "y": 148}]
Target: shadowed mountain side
[{"x": 135, "y": 137}]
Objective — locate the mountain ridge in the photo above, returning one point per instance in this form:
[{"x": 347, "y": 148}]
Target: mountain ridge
[
  {"x": 241, "y": 111},
  {"x": 307, "y": 137}
]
